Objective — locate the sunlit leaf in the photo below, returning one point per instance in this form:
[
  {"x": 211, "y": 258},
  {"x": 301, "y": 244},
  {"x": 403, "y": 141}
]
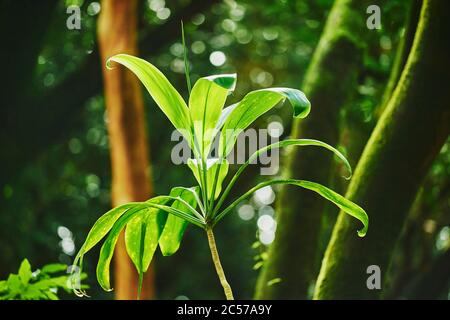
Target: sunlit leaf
[
  {"x": 211, "y": 167},
  {"x": 53, "y": 268},
  {"x": 3, "y": 286},
  {"x": 25, "y": 271},
  {"x": 344, "y": 204},
  {"x": 103, "y": 225},
  {"x": 254, "y": 105},
  {"x": 174, "y": 227},
  {"x": 107, "y": 249},
  {"x": 165, "y": 95},
  {"x": 142, "y": 234},
  {"x": 224, "y": 116},
  {"x": 281, "y": 144},
  {"x": 14, "y": 283},
  {"x": 205, "y": 105},
  {"x": 108, "y": 246}
]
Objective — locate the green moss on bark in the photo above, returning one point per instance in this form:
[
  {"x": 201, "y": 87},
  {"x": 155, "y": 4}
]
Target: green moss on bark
[
  {"x": 405, "y": 141},
  {"x": 329, "y": 83}
]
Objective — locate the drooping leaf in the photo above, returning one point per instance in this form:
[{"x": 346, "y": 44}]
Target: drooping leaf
[
  {"x": 205, "y": 105},
  {"x": 211, "y": 167},
  {"x": 254, "y": 105},
  {"x": 108, "y": 246},
  {"x": 141, "y": 239},
  {"x": 142, "y": 234},
  {"x": 103, "y": 225},
  {"x": 299, "y": 142},
  {"x": 107, "y": 249},
  {"x": 99, "y": 230},
  {"x": 344, "y": 204},
  {"x": 282, "y": 144},
  {"x": 165, "y": 95},
  {"x": 174, "y": 228},
  {"x": 25, "y": 271}
]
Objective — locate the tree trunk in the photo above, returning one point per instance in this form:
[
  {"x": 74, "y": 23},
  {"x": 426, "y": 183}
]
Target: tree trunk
[
  {"x": 401, "y": 56},
  {"x": 127, "y": 133},
  {"x": 328, "y": 83},
  {"x": 407, "y": 138},
  {"x": 53, "y": 116},
  {"x": 355, "y": 132}
]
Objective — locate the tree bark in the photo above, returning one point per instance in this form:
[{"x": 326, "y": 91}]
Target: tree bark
[
  {"x": 127, "y": 133},
  {"x": 355, "y": 133},
  {"x": 401, "y": 56},
  {"x": 328, "y": 84},
  {"x": 408, "y": 136}
]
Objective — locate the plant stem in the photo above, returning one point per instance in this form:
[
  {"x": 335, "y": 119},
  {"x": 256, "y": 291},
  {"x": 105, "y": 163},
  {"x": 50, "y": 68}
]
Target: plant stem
[{"x": 218, "y": 265}]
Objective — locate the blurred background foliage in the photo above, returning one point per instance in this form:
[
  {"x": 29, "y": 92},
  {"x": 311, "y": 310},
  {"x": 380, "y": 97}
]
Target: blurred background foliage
[{"x": 48, "y": 206}]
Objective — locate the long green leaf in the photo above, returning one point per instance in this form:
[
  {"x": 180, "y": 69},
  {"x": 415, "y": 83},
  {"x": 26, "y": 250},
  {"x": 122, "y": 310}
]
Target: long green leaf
[
  {"x": 142, "y": 234},
  {"x": 98, "y": 231},
  {"x": 165, "y": 95},
  {"x": 107, "y": 249},
  {"x": 141, "y": 240},
  {"x": 281, "y": 144},
  {"x": 344, "y": 204},
  {"x": 254, "y": 105},
  {"x": 108, "y": 246},
  {"x": 100, "y": 228},
  {"x": 205, "y": 105},
  {"x": 174, "y": 228}
]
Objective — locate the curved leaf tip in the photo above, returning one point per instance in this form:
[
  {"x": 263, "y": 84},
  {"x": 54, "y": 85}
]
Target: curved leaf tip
[
  {"x": 344, "y": 204},
  {"x": 298, "y": 100},
  {"x": 117, "y": 58},
  {"x": 362, "y": 233},
  {"x": 109, "y": 63},
  {"x": 226, "y": 81}
]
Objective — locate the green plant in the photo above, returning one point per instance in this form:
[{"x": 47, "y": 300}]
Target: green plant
[
  {"x": 162, "y": 220},
  {"x": 41, "y": 284}
]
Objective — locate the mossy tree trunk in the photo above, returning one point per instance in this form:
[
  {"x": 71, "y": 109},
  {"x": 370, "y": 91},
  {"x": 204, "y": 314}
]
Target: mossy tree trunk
[
  {"x": 354, "y": 132},
  {"x": 408, "y": 136},
  {"x": 329, "y": 83},
  {"x": 127, "y": 134},
  {"x": 402, "y": 53}
]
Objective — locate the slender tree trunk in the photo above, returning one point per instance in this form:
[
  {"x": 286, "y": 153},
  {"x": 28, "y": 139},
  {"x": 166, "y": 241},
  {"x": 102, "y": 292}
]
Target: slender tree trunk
[
  {"x": 127, "y": 133},
  {"x": 328, "y": 83},
  {"x": 408, "y": 136}
]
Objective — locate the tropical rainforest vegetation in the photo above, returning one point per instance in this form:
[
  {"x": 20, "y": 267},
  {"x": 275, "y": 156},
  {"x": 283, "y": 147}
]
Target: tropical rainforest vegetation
[{"x": 93, "y": 90}]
